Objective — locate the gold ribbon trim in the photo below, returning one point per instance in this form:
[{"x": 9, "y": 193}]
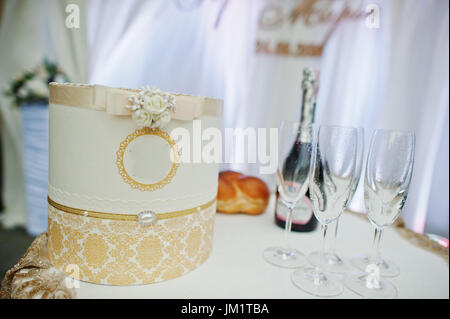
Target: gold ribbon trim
[
  {"x": 114, "y": 100},
  {"x": 128, "y": 217}
]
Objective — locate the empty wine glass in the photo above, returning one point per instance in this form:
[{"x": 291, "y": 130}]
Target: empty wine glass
[
  {"x": 388, "y": 175},
  {"x": 332, "y": 174},
  {"x": 332, "y": 262},
  {"x": 293, "y": 171}
]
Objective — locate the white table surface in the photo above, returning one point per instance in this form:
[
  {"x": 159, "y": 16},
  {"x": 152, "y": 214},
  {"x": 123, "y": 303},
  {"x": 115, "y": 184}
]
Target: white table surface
[{"x": 236, "y": 268}]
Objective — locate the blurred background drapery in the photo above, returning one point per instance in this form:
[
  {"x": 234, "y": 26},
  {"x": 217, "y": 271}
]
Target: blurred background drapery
[
  {"x": 30, "y": 31},
  {"x": 250, "y": 53}
]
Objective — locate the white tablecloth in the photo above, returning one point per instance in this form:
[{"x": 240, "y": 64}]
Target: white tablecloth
[{"x": 236, "y": 268}]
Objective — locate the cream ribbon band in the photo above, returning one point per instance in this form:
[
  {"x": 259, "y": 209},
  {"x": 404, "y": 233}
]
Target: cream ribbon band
[
  {"x": 115, "y": 100},
  {"x": 128, "y": 217}
]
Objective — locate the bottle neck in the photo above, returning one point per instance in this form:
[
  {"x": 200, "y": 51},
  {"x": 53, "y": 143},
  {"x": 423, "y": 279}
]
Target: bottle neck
[
  {"x": 307, "y": 113},
  {"x": 308, "y": 107}
]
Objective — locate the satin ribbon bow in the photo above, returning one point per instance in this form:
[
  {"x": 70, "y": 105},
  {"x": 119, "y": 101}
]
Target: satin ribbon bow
[{"x": 115, "y": 100}]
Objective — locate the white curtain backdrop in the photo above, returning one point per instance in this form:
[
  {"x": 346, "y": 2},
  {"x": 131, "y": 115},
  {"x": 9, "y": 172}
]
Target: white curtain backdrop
[
  {"x": 394, "y": 76},
  {"x": 157, "y": 43}
]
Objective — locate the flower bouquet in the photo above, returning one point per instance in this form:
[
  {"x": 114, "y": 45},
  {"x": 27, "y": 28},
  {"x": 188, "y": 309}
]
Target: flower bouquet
[
  {"x": 30, "y": 92},
  {"x": 31, "y": 87}
]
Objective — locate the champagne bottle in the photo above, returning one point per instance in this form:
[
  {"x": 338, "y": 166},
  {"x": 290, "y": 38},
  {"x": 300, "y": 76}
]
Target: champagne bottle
[{"x": 303, "y": 219}]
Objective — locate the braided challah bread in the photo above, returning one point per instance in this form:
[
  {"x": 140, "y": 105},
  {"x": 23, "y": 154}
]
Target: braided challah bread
[{"x": 239, "y": 193}]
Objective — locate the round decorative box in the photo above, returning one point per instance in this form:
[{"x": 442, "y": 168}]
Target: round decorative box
[{"x": 124, "y": 208}]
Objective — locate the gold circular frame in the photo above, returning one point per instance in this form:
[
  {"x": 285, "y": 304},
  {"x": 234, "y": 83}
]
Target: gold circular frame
[{"x": 130, "y": 138}]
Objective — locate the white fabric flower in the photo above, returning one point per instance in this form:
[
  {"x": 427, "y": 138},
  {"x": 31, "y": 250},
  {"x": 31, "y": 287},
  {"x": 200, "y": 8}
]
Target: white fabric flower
[
  {"x": 151, "y": 107},
  {"x": 154, "y": 104},
  {"x": 156, "y": 123},
  {"x": 165, "y": 117},
  {"x": 142, "y": 117}
]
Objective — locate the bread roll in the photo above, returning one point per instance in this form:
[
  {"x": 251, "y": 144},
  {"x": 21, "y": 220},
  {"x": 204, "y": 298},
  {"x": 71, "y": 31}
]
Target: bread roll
[{"x": 239, "y": 193}]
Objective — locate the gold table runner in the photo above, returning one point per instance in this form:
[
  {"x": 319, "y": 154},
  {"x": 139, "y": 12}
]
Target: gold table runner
[{"x": 35, "y": 277}]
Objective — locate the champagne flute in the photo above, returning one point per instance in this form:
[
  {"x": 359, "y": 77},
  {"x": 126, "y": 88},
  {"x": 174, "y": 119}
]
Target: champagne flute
[
  {"x": 332, "y": 175},
  {"x": 332, "y": 262},
  {"x": 388, "y": 174},
  {"x": 293, "y": 171}
]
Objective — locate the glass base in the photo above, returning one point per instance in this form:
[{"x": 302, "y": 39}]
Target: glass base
[
  {"x": 284, "y": 258},
  {"x": 329, "y": 262},
  {"x": 317, "y": 283},
  {"x": 386, "y": 268},
  {"x": 366, "y": 286}
]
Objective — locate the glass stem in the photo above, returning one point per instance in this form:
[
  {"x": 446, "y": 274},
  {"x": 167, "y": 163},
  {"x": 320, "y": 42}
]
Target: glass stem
[
  {"x": 324, "y": 233},
  {"x": 376, "y": 243},
  {"x": 287, "y": 228},
  {"x": 319, "y": 277},
  {"x": 333, "y": 242}
]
